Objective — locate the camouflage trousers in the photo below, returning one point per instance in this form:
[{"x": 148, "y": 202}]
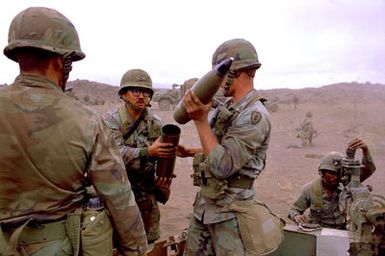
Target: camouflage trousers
[
  {"x": 149, "y": 210},
  {"x": 222, "y": 239}
]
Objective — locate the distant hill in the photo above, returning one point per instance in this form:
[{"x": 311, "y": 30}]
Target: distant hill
[
  {"x": 96, "y": 93},
  {"x": 330, "y": 94},
  {"x": 93, "y": 93}
]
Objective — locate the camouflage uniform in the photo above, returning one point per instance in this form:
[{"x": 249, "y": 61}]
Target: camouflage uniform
[
  {"x": 52, "y": 148},
  {"x": 140, "y": 168},
  {"x": 324, "y": 210},
  {"x": 241, "y": 152},
  {"x": 49, "y": 144}
]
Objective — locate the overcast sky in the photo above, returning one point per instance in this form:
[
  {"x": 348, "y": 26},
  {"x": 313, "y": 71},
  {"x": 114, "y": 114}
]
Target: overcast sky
[{"x": 301, "y": 43}]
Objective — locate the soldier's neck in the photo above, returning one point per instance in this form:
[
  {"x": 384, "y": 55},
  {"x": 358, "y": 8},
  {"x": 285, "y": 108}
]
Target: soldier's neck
[{"x": 135, "y": 114}]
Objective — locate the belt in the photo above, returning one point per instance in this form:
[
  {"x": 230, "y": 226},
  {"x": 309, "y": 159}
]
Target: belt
[
  {"x": 240, "y": 181},
  {"x": 36, "y": 232}
]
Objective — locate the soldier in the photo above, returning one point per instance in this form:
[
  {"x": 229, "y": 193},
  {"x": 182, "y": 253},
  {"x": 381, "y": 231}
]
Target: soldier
[
  {"x": 234, "y": 142},
  {"x": 322, "y": 195},
  {"x": 52, "y": 148},
  {"x": 306, "y": 131},
  {"x": 137, "y": 133}
]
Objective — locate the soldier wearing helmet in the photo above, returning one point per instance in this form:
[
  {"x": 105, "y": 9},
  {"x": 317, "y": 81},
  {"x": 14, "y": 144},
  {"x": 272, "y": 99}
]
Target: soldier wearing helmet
[
  {"x": 137, "y": 133},
  {"x": 234, "y": 143},
  {"x": 307, "y": 132},
  {"x": 321, "y": 196},
  {"x": 52, "y": 148}
]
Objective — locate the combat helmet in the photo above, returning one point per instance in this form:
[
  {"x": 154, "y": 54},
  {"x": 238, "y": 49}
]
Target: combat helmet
[
  {"x": 135, "y": 78},
  {"x": 46, "y": 29},
  {"x": 331, "y": 162},
  {"x": 243, "y": 52}
]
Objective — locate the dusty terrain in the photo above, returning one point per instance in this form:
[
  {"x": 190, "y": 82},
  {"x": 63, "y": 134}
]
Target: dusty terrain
[{"x": 338, "y": 115}]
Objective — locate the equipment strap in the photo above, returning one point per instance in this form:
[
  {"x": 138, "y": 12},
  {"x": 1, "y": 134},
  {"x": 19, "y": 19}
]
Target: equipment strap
[
  {"x": 9, "y": 248},
  {"x": 318, "y": 195},
  {"x": 125, "y": 122}
]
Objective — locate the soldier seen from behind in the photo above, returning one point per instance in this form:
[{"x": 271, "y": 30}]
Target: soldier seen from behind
[
  {"x": 321, "y": 196},
  {"x": 137, "y": 133},
  {"x": 234, "y": 139},
  {"x": 53, "y": 149}
]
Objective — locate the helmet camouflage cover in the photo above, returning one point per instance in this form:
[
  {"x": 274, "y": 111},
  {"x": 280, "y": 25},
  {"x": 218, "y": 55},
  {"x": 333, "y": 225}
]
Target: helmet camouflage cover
[
  {"x": 135, "y": 78},
  {"x": 331, "y": 162},
  {"x": 46, "y": 29},
  {"x": 243, "y": 52}
]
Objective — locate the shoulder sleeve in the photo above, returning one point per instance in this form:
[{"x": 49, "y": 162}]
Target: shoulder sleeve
[
  {"x": 112, "y": 120},
  {"x": 108, "y": 176},
  {"x": 369, "y": 166}
]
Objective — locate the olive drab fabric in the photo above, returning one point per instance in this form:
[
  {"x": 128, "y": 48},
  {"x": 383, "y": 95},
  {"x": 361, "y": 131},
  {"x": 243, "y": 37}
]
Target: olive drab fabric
[
  {"x": 261, "y": 229},
  {"x": 135, "y": 78},
  {"x": 49, "y": 145},
  {"x": 140, "y": 168},
  {"x": 45, "y": 29},
  {"x": 241, "y": 50}
]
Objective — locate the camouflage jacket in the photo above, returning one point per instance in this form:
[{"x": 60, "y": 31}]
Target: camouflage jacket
[
  {"x": 140, "y": 168},
  {"x": 324, "y": 210},
  {"x": 242, "y": 147},
  {"x": 51, "y": 146}
]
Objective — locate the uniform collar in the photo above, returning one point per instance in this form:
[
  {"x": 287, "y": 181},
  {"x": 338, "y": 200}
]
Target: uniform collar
[
  {"x": 39, "y": 81},
  {"x": 242, "y": 103}
]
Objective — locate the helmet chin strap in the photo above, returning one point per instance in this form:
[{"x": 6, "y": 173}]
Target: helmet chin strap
[
  {"x": 67, "y": 67},
  {"x": 229, "y": 81}
]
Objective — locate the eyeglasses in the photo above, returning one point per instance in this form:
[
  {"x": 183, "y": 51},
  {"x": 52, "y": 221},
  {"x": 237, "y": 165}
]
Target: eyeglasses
[{"x": 137, "y": 91}]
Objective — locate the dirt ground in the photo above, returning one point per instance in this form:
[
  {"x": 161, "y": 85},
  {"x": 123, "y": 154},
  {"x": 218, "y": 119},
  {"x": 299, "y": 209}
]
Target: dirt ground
[{"x": 289, "y": 166}]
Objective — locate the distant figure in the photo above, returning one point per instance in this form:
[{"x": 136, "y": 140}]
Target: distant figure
[
  {"x": 307, "y": 132},
  {"x": 295, "y": 101},
  {"x": 321, "y": 196}
]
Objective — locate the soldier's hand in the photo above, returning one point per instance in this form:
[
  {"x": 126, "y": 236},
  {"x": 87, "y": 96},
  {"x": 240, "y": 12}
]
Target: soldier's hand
[
  {"x": 358, "y": 143},
  {"x": 183, "y": 151},
  {"x": 162, "y": 149},
  {"x": 300, "y": 218},
  {"x": 196, "y": 110},
  {"x": 164, "y": 182}
]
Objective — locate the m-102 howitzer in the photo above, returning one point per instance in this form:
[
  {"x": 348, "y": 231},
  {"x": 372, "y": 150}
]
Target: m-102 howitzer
[{"x": 364, "y": 211}]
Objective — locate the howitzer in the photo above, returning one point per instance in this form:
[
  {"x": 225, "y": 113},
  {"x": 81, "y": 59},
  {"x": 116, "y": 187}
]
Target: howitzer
[{"x": 365, "y": 211}]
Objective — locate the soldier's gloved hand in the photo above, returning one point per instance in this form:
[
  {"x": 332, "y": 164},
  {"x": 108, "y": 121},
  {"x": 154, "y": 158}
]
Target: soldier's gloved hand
[
  {"x": 162, "y": 149},
  {"x": 300, "y": 218}
]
